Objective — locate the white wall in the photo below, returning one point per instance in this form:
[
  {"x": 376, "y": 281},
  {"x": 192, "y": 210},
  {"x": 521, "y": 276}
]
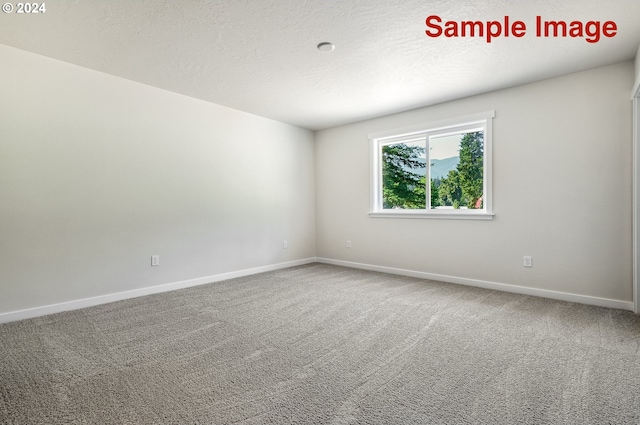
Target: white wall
[
  {"x": 98, "y": 173},
  {"x": 637, "y": 64},
  {"x": 562, "y": 191}
]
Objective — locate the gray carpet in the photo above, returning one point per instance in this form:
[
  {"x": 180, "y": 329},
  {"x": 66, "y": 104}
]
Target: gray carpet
[{"x": 319, "y": 344}]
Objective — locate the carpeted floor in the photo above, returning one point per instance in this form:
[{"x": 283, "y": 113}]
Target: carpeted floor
[{"x": 320, "y": 344}]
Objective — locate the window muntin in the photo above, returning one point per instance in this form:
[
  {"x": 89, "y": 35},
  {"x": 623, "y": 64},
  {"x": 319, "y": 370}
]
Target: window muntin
[{"x": 458, "y": 176}]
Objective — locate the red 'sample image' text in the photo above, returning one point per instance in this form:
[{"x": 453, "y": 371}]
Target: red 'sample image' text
[{"x": 591, "y": 31}]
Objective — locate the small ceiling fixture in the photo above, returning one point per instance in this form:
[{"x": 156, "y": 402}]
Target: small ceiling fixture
[{"x": 326, "y": 46}]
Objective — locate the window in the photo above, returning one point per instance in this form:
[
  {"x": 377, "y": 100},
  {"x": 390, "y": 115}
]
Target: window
[{"x": 439, "y": 170}]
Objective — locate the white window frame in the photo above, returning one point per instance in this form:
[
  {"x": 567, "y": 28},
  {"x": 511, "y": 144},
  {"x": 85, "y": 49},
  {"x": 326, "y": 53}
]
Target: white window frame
[{"x": 378, "y": 140}]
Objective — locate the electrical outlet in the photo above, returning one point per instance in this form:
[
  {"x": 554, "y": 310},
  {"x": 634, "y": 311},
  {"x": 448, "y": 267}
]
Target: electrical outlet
[
  {"x": 285, "y": 244},
  {"x": 155, "y": 260},
  {"x": 348, "y": 244},
  {"x": 527, "y": 261}
]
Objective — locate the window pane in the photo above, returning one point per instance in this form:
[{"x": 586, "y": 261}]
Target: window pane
[
  {"x": 404, "y": 175},
  {"x": 456, "y": 170}
]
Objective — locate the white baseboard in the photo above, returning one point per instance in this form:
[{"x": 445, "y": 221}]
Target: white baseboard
[
  {"x": 103, "y": 299},
  {"x": 544, "y": 293}
]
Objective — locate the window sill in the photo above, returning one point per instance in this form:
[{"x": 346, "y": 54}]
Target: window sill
[{"x": 448, "y": 215}]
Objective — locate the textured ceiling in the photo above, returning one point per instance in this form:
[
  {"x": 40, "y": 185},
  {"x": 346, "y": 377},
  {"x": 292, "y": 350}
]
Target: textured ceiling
[{"x": 260, "y": 56}]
